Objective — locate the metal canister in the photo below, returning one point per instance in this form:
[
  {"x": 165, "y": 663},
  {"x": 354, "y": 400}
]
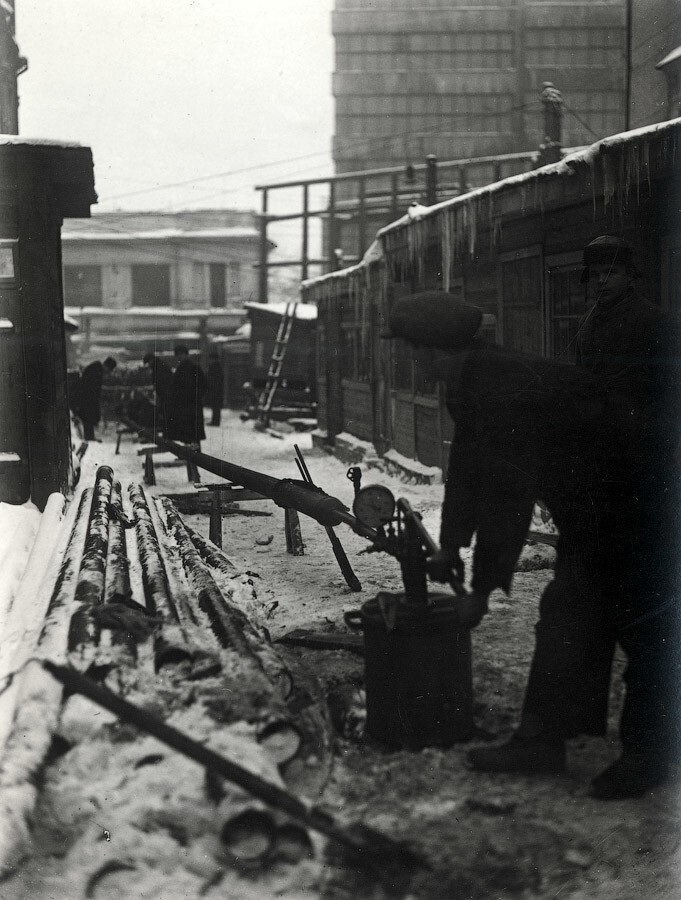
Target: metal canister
[{"x": 418, "y": 679}]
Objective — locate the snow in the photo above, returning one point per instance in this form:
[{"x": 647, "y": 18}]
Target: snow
[
  {"x": 484, "y": 836},
  {"x": 306, "y": 311}
]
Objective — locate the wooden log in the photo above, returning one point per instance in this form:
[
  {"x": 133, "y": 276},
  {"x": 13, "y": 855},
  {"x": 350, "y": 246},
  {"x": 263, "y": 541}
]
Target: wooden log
[
  {"x": 154, "y": 576},
  {"x": 38, "y": 697},
  {"x": 117, "y": 587},
  {"x": 368, "y": 845},
  {"x": 210, "y": 554}
]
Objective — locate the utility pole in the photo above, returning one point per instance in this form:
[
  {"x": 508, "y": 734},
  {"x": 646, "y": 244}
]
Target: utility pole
[
  {"x": 627, "y": 62},
  {"x": 431, "y": 180},
  {"x": 550, "y": 151}
]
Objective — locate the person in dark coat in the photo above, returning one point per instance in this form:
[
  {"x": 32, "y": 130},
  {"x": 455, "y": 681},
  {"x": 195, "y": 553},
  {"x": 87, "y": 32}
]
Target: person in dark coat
[
  {"x": 596, "y": 443},
  {"x": 162, "y": 380},
  {"x": 188, "y": 390},
  {"x": 216, "y": 386},
  {"x": 90, "y": 393},
  {"x": 615, "y": 575}
]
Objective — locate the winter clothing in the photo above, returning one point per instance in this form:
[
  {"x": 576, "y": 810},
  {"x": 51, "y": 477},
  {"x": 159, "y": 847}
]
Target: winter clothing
[
  {"x": 89, "y": 395},
  {"x": 599, "y": 451},
  {"x": 162, "y": 380},
  {"x": 189, "y": 387},
  {"x": 215, "y": 393}
]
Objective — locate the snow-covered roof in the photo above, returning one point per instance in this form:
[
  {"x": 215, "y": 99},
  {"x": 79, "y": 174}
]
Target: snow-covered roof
[
  {"x": 164, "y": 312},
  {"x": 303, "y": 310},
  {"x": 565, "y": 167},
  {"x": 373, "y": 253},
  {"x": 20, "y": 140},
  {"x": 162, "y": 234}
]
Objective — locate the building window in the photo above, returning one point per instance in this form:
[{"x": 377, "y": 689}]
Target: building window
[
  {"x": 83, "y": 285},
  {"x": 521, "y": 289},
  {"x": 150, "y": 285},
  {"x": 234, "y": 279},
  {"x": 565, "y": 308},
  {"x": 218, "y": 284}
]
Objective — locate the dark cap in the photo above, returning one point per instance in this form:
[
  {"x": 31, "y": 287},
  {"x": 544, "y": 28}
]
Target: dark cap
[
  {"x": 606, "y": 250},
  {"x": 433, "y": 319},
  {"x": 148, "y": 359},
  {"x": 109, "y": 363}
]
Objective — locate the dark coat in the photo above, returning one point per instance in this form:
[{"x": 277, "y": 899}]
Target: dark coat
[
  {"x": 90, "y": 392},
  {"x": 162, "y": 379},
  {"x": 216, "y": 384},
  {"x": 185, "y": 410}
]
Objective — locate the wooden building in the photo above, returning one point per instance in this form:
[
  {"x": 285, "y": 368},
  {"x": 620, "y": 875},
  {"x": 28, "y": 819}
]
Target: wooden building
[
  {"x": 298, "y": 375},
  {"x": 40, "y": 183},
  {"x": 513, "y": 248}
]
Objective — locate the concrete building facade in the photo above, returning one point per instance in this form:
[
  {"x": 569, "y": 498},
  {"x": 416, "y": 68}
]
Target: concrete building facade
[
  {"x": 462, "y": 78},
  {"x": 135, "y": 277}
]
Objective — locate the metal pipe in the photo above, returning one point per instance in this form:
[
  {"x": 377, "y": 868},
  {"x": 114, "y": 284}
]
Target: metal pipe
[{"x": 287, "y": 493}]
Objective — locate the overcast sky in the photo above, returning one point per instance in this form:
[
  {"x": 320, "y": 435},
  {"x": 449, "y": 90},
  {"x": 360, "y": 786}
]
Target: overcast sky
[{"x": 167, "y": 91}]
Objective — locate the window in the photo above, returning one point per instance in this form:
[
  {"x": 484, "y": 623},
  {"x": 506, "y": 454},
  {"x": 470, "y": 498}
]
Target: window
[
  {"x": 671, "y": 274},
  {"x": 521, "y": 290},
  {"x": 566, "y": 306},
  {"x": 150, "y": 285},
  {"x": 234, "y": 279},
  {"x": 83, "y": 285},
  {"x": 217, "y": 284}
]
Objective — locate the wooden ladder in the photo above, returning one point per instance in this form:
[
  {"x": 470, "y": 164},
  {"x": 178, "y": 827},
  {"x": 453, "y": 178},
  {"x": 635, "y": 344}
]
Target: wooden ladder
[{"x": 276, "y": 363}]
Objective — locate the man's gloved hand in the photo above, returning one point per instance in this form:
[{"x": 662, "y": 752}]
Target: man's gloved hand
[
  {"x": 443, "y": 564},
  {"x": 471, "y": 608}
]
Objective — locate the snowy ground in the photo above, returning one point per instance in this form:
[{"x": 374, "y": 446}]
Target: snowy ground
[{"x": 484, "y": 836}]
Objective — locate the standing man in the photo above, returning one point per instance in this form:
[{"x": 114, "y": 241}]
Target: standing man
[
  {"x": 620, "y": 586},
  {"x": 216, "y": 383},
  {"x": 90, "y": 393},
  {"x": 162, "y": 380},
  {"x": 188, "y": 390}
]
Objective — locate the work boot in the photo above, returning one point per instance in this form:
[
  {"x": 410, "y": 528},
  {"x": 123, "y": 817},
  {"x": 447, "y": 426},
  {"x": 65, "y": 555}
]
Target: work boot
[
  {"x": 533, "y": 756},
  {"x": 632, "y": 775}
]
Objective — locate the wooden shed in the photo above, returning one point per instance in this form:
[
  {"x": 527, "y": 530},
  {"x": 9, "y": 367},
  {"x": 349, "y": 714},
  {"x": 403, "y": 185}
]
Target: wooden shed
[
  {"x": 298, "y": 374},
  {"x": 514, "y": 249},
  {"x": 41, "y": 182}
]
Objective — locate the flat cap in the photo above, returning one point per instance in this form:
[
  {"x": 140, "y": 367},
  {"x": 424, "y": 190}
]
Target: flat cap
[{"x": 606, "y": 250}]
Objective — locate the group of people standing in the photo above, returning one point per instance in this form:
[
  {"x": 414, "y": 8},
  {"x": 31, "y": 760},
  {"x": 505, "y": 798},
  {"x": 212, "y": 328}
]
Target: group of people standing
[{"x": 182, "y": 393}]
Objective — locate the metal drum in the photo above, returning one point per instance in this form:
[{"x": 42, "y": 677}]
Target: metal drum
[{"x": 417, "y": 671}]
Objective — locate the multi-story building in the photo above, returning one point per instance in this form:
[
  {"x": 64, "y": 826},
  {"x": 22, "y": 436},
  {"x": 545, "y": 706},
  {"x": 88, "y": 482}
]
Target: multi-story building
[
  {"x": 132, "y": 279},
  {"x": 458, "y": 79}
]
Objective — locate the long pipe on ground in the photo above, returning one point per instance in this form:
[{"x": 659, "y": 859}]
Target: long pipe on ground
[{"x": 288, "y": 493}]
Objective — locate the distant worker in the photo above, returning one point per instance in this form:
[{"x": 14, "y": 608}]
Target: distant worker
[
  {"x": 189, "y": 388},
  {"x": 162, "y": 380},
  {"x": 216, "y": 386},
  {"x": 90, "y": 393}
]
